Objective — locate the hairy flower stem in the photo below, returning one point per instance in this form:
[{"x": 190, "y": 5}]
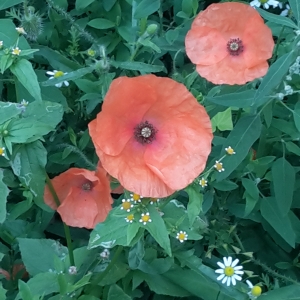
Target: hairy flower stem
[
  {"x": 275, "y": 273},
  {"x": 100, "y": 277},
  {"x": 66, "y": 228}
]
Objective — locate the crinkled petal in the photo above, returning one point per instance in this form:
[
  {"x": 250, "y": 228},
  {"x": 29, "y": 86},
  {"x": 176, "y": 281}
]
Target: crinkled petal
[
  {"x": 79, "y": 209},
  {"x": 229, "y": 18},
  {"x": 132, "y": 172},
  {"x": 257, "y": 47},
  {"x": 205, "y": 46}
]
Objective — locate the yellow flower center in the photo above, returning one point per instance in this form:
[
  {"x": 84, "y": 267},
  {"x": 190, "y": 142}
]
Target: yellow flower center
[
  {"x": 91, "y": 52},
  {"x": 181, "y": 236},
  {"x": 263, "y": 1},
  {"x": 1, "y": 151},
  {"x": 136, "y": 197},
  {"x": 256, "y": 291},
  {"x": 145, "y": 218},
  {"x": 126, "y": 205},
  {"x": 219, "y": 166},
  {"x": 229, "y": 271},
  {"x": 203, "y": 182},
  {"x": 230, "y": 151},
  {"x": 16, "y": 51},
  {"x": 58, "y": 74},
  {"x": 130, "y": 217}
]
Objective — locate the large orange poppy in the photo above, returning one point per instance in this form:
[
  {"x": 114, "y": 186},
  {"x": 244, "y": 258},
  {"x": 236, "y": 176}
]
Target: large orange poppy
[
  {"x": 229, "y": 43},
  {"x": 152, "y": 135},
  {"x": 84, "y": 195}
]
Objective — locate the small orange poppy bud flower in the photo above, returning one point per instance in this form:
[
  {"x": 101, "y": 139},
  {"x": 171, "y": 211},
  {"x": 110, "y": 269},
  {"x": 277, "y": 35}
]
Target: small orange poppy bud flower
[{"x": 229, "y": 43}]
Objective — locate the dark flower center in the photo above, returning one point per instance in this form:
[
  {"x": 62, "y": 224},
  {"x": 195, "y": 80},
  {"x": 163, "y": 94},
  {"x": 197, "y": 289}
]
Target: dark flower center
[
  {"x": 87, "y": 186},
  {"x": 235, "y": 47},
  {"x": 145, "y": 133}
]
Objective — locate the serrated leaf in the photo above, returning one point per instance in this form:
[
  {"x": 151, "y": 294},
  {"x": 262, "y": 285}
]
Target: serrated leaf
[
  {"x": 38, "y": 254},
  {"x": 222, "y": 120},
  {"x": 4, "y": 191},
  {"x": 280, "y": 223},
  {"x": 24, "y": 72},
  {"x": 241, "y": 138},
  {"x": 283, "y": 175},
  {"x": 284, "y": 21}
]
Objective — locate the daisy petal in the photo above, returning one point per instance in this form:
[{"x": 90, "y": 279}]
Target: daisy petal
[
  {"x": 238, "y": 267},
  {"x": 239, "y": 272},
  {"x": 221, "y": 277},
  {"x": 250, "y": 285},
  {"x": 66, "y": 83},
  {"x": 237, "y": 277},
  {"x": 233, "y": 280},
  {"x": 228, "y": 281},
  {"x": 229, "y": 259},
  {"x": 224, "y": 279},
  {"x": 50, "y": 73},
  {"x": 221, "y": 265},
  {"x": 220, "y": 271},
  {"x": 235, "y": 262}
]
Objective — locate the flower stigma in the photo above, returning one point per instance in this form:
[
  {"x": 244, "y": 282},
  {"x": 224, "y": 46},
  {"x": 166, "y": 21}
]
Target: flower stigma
[
  {"x": 129, "y": 218},
  {"x": 145, "y": 218},
  {"x": 58, "y": 74},
  {"x": 145, "y": 133},
  {"x": 87, "y": 186},
  {"x": 235, "y": 47}
]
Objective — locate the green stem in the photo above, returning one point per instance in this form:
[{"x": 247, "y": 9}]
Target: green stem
[
  {"x": 277, "y": 44},
  {"x": 66, "y": 228},
  {"x": 100, "y": 277},
  {"x": 239, "y": 241}
]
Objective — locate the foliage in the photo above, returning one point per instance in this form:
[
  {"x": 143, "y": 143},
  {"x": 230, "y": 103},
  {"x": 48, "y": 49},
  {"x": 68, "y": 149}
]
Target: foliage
[{"x": 249, "y": 211}]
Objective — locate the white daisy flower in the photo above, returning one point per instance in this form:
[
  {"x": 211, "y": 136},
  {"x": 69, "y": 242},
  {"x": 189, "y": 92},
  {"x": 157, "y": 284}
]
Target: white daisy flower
[
  {"x": 286, "y": 12},
  {"x": 265, "y": 3},
  {"x": 57, "y": 74},
  {"x": 229, "y": 271},
  {"x": 255, "y": 291}
]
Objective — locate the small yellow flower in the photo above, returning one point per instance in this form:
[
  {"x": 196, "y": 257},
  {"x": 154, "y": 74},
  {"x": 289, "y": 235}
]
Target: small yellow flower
[
  {"x": 181, "y": 236},
  {"x": 135, "y": 198},
  {"x": 145, "y": 218},
  {"x": 16, "y": 51},
  {"x": 219, "y": 166},
  {"x": 21, "y": 30},
  {"x": 203, "y": 182},
  {"x": 129, "y": 218},
  {"x": 126, "y": 205},
  {"x": 154, "y": 200},
  {"x": 2, "y": 151},
  {"x": 255, "y": 291},
  {"x": 91, "y": 52},
  {"x": 229, "y": 151}
]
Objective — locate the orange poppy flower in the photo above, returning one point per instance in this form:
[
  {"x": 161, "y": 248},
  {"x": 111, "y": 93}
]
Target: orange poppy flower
[
  {"x": 84, "y": 196},
  {"x": 152, "y": 135},
  {"x": 229, "y": 43}
]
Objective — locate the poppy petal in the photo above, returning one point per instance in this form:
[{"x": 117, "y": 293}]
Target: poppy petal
[{"x": 205, "y": 46}]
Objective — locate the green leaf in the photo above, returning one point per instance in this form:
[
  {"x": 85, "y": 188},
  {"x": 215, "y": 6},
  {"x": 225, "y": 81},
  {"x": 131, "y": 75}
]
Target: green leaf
[
  {"x": 225, "y": 185},
  {"x": 23, "y": 70},
  {"x": 250, "y": 187},
  {"x": 295, "y": 7},
  {"x": 240, "y": 99},
  {"x": 29, "y": 164},
  {"x": 158, "y": 230},
  {"x": 222, "y": 120},
  {"x": 195, "y": 203},
  {"x": 283, "y": 181},
  {"x": 4, "y": 191},
  {"x": 38, "y": 255},
  {"x": 82, "y": 4},
  {"x": 241, "y": 138},
  {"x": 145, "y": 8},
  {"x": 137, "y": 66},
  {"x": 100, "y": 23},
  {"x": 273, "y": 78},
  {"x": 9, "y": 3},
  {"x": 108, "y": 4},
  {"x": 296, "y": 114},
  {"x": 290, "y": 292},
  {"x": 293, "y": 148},
  {"x": 115, "y": 292},
  {"x": 8, "y": 110},
  {"x": 280, "y": 223},
  {"x": 25, "y": 291},
  {"x": 2, "y": 292},
  {"x": 284, "y": 21}
]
